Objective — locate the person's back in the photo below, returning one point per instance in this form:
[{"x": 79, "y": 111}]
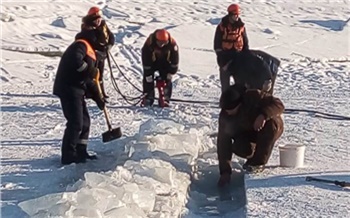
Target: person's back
[
  {"x": 253, "y": 103},
  {"x": 65, "y": 69},
  {"x": 70, "y": 76},
  {"x": 271, "y": 62},
  {"x": 248, "y": 69}
]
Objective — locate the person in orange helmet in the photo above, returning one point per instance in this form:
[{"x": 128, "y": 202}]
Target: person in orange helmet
[
  {"x": 160, "y": 53},
  {"x": 230, "y": 38},
  {"x": 104, "y": 38}
]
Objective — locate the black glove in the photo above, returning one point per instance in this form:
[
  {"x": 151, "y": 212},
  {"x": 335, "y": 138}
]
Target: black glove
[
  {"x": 108, "y": 47},
  {"x": 93, "y": 92},
  {"x": 101, "y": 55}
]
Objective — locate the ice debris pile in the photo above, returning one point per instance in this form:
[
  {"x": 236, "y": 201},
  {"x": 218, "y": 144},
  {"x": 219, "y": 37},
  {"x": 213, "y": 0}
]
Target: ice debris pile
[{"x": 153, "y": 182}]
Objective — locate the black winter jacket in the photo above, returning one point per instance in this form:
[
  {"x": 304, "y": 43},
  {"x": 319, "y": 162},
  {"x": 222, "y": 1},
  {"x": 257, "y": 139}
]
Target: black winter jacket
[
  {"x": 270, "y": 60},
  {"x": 154, "y": 57},
  {"x": 103, "y": 36},
  {"x": 76, "y": 70}
]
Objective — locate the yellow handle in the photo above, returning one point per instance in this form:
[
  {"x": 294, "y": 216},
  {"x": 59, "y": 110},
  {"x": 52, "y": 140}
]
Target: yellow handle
[
  {"x": 97, "y": 78},
  {"x": 97, "y": 81}
]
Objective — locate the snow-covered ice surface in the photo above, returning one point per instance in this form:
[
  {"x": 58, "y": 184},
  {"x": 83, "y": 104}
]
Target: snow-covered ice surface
[{"x": 148, "y": 172}]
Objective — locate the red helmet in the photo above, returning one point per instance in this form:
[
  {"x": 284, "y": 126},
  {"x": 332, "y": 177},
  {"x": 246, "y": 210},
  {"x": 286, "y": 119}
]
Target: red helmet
[
  {"x": 234, "y": 9},
  {"x": 162, "y": 35},
  {"x": 94, "y": 11}
]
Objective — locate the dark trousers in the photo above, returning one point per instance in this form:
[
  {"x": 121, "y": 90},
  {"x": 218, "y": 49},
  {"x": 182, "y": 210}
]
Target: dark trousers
[
  {"x": 148, "y": 87},
  {"x": 77, "y": 126},
  {"x": 225, "y": 77},
  {"x": 101, "y": 66},
  {"x": 258, "y": 150}
]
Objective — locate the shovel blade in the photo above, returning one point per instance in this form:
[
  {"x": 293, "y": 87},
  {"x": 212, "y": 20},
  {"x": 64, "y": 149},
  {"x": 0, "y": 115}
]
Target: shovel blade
[{"x": 111, "y": 135}]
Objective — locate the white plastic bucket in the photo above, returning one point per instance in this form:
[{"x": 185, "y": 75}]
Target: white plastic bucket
[{"x": 292, "y": 155}]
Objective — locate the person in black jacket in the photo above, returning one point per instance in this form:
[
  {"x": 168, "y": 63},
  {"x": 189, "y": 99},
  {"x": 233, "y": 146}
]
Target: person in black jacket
[
  {"x": 74, "y": 80},
  {"x": 160, "y": 53},
  {"x": 104, "y": 39},
  {"x": 230, "y": 38}
]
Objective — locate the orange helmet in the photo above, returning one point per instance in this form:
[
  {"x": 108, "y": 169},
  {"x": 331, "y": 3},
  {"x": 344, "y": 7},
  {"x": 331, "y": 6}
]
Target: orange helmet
[
  {"x": 233, "y": 9},
  {"x": 94, "y": 11},
  {"x": 162, "y": 35}
]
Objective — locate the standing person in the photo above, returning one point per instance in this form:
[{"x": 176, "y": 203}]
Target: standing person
[
  {"x": 159, "y": 53},
  {"x": 74, "y": 79},
  {"x": 250, "y": 122},
  {"x": 104, "y": 39},
  {"x": 230, "y": 38}
]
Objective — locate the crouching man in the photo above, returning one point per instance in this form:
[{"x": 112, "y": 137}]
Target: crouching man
[{"x": 250, "y": 122}]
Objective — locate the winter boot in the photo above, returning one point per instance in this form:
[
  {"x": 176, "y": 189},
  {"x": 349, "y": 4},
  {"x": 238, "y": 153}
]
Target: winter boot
[
  {"x": 253, "y": 168},
  {"x": 224, "y": 179},
  {"x": 71, "y": 157},
  {"x": 147, "y": 102},
  {"x": 83, "y": 154},
  {"x": 68, "y": 159}
]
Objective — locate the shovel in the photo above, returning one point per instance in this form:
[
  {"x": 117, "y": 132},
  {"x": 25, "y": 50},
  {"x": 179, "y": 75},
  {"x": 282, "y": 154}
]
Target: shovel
[
  {"x": 335, "y": 182},
  {"x": 111, "y": 134}
]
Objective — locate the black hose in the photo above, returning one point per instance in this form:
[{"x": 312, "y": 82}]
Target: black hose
[
  {"x": 121, "y": 72},
  {"x": 139, "y": 98},
  {"x": 115, "y": 85}
]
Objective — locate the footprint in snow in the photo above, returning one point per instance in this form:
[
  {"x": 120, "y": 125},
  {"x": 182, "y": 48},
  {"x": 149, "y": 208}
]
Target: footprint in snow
[{"x": 6, "y": 17}]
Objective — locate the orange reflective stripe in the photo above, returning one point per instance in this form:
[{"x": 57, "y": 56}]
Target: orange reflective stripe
[{"x": 89, "y": 50}]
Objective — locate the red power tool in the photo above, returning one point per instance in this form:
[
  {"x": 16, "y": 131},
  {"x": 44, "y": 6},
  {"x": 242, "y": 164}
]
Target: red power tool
[{"x": 160, "y": 84}]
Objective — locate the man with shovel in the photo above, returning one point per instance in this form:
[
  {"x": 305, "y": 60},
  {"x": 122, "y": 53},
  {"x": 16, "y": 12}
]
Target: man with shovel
[{"x": 74, "y": 79}]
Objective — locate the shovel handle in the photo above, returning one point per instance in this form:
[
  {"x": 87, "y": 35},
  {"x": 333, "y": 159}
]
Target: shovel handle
[
  {"x": 100, "y": 92},
  {"x": 335, "y": 182},
  {"x": 97, "y": 81},
  {"x": 107, "y": 119}
]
